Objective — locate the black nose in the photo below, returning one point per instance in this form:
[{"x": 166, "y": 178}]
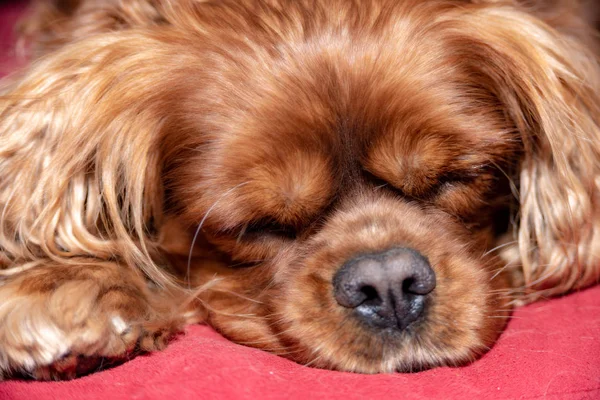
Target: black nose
[{"x": 387, "y": 290}]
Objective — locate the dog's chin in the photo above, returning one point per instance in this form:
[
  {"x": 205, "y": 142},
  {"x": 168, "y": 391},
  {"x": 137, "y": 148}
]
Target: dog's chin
[{"x": 295, "y": 314}]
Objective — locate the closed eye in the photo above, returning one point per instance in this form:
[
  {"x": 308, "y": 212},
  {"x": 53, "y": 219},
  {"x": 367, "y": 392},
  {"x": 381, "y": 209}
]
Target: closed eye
[
  {"x": 381, "y": 183},
  {"x": 461, "y": 176},
  {"x": 450, "y": 178},
  {"x": 268, "y": 227}
]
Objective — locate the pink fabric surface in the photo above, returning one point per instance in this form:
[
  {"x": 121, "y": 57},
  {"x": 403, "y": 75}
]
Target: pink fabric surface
[
  {"x": 9, "y": 12},
  {"x": 551, "y": 350}
]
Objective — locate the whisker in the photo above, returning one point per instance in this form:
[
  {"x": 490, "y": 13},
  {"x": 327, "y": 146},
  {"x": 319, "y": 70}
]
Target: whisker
[
  {"x": 313, "y": 361},
  {"x": 242, "y": 233},
  {"x": 236, "y": 294},
  {"x": 226, "y": 314},
  {"x": 189, "y": 262},
  {"x": 513, "y": 187},
  {"x": 500, "y": 270},
  {"x": 245, "y": 262},
  {"x": 206, "y": 286},
  {"x": 499, "y": 247}
]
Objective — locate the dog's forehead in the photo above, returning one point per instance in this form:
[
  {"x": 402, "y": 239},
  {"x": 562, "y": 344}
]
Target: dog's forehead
[
  {"x": 351, "y": 118},
  {"x": 340, "y": 92}
]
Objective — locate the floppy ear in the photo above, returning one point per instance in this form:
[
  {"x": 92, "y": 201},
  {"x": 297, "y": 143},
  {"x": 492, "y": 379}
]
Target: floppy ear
[
  {"x": 548, "y": 81},
  {"x": 79, "y": 150},
  {"x": 50, "y": 24}
]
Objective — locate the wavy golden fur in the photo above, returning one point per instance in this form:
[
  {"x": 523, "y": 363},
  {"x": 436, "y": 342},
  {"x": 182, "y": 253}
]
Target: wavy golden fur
[{"x": 163, "y": 162}]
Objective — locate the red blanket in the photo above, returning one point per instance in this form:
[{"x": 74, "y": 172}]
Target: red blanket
[{"x": 550, "y": 350}]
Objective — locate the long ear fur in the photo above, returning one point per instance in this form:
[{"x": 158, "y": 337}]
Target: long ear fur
[
  {"x": 548, "y": 79},
  {"x": 79, "y": 159},
  {"x": 50, "y": 24}
]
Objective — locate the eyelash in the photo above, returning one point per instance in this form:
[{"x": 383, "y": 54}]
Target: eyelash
[
  {"x": 462, "y": 177},
  {"x": 456, "y": 177}
]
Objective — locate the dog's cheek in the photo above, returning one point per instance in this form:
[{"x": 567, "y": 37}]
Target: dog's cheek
[
  {"x": 462, "y": 314},
  {"x": 239, "y": 301},
  {"x": 250, "y": 250}
]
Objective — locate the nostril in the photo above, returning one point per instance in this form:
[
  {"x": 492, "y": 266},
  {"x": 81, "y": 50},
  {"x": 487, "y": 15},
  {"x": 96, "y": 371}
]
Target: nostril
[
  {"x": 371, "y": 295},
  {"x": 408, "y": 285},
  {"x": 419, "y": 286}
]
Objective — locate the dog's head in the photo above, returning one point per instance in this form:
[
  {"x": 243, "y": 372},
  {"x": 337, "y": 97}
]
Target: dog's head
[
  {"x": 352, "y": 166},
  {"x": 346, "y": 168}
]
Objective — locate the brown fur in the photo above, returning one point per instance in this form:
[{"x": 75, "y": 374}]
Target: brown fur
[{"x": 168, "y": 161}]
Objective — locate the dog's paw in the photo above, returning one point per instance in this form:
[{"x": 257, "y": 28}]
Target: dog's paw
[{"x": 60, "y": 322}]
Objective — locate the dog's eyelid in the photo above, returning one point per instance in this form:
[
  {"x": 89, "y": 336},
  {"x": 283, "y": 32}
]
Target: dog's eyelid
[
  {"x": 381, "y": 183},
  {"x": 268, "y": 226},
  {"x": 245, "y": 264},
  {"x": 465, "y": 174},
  {"x": 461, "y": 176}
]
